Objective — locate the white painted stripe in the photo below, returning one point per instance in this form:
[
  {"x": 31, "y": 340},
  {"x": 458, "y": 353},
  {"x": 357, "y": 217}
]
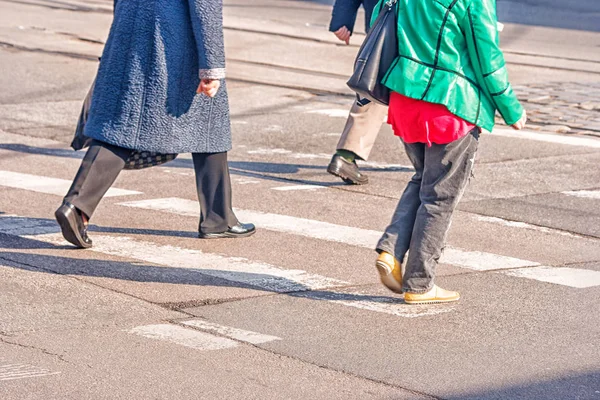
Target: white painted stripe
[
  {"x": 10, "y": 372},
  {"x": 298, "y": 187},
  {"x": 42, "y": 184},
  {"x": 335, "y": 113},
  {"x": 244, "y": 181},
  {"x": 379, "y": 165},
  {"x": 233, "y": 269},
  {"x": 573, "y": 277},
  {"x": 380, "y": 304},
  {"x": 482, "y": 261},
  {"x": 327, "y": 156},
  {"x": 476, "y": 260},
  {"x": 548, "y": 138},
  {"x": 523, "y": 225},
  {"x": 262, "y": 151},
  {"x": 233, "y": 333},
  {"x": 585, "y": 194},
  {"x": 184, "y": 337},
  {"x": 236, "y": 269}
]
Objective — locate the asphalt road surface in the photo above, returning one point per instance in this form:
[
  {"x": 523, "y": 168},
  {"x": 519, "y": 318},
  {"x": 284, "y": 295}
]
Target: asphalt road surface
[{"x": 296, "y": 311}]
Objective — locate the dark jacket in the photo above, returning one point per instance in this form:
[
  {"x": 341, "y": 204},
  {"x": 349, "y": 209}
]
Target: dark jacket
[
  {"x": 345, "y": 11},
  {"x": 145, "y": 95}
]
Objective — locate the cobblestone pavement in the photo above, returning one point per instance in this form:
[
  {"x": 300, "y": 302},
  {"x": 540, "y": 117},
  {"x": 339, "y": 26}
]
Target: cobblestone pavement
[{"x": 562, "y": 107}]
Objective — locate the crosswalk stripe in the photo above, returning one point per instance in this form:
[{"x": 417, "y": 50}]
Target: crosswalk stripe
[
  {"x": 289, "y": 188},
  {"x": 42, "y": 184},
  {"x": 233, "y": 333},
  {"x": 523, "y": 134},
  {"x": 327, "y": 156},
  {"x": 184, "y": 337},
  {"x": 10, "y": 372},
  {"x": 523, "y": 225},
  {"x": 573, "y": 277},
  {"x": 547, "y": 137},
  {"x": 334, "y": 112},
  {"x": 585, "y": 194},
  {"x": 475, "y": 260},
  {"x": 234, "y": 269}
]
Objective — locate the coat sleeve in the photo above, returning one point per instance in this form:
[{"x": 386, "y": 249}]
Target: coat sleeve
[
  {"x": 481, "y": 29},
  {"x": 207, "y": 22},
  {"x": 344, "y": 14}
]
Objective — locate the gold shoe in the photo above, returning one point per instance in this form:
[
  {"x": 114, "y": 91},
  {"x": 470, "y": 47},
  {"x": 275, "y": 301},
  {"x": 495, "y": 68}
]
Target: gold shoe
[
  {"x": 390, "y": 271},
  {"x": 435, "y": 295}
]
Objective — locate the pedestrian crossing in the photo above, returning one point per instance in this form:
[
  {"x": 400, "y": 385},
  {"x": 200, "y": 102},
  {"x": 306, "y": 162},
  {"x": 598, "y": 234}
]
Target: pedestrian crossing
[
  {"x": 199, "y": 334},
  {"x": 584, "y": 194},
  {"x": 359, "y": 237},
  {"x": 47, "y": 185},
  {"x": 240, "y": 271},
  {"x": 266, "y": 277},
  {"x": 11, "y": 372}
]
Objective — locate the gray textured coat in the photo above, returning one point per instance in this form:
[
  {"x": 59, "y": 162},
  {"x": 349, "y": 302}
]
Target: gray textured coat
[{"x": 145, "y": 96}]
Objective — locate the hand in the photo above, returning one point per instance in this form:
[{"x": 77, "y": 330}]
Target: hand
[
  {"x": 209, "y": 87},
  {"x": 520, "y": 124},
  {"x": 343, "y": 34}
]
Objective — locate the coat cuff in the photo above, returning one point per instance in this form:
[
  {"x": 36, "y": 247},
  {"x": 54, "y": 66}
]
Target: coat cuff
[{"x": 215, "y": 73}]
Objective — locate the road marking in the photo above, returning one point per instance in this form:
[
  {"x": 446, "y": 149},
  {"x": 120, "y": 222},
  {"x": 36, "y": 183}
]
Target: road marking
[
  {"x": 482, "y": 261},
  {"x": 261, "y": 276},
  {"x": 245, "y": 181},
  {"x": 10, "y": 372},
  {"x": 523, "y": 225},
  {"x": 298, "y": 187},
  {"x": 235, "y": 269},
  {"x": 548, "y": 138},
  {"x": 573, "y": 277},
  {"x": 327, "y": 156},
  {"x": 335, "y": 113},
  {"x": 381, "y": 304},
  {"x": 42, "y": 184},
  {"x": 585, "y": 194},
  {"x": 232, "y": 333},
  {"x": 184, "y": 337},
  {"x": 476, "y": 260}
]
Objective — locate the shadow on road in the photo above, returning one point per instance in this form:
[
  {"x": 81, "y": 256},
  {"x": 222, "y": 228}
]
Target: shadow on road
[
  {"x": 254, "y": 169},
  {"x": 147, "y": 273},
  {"x": 575, "y": 386}
]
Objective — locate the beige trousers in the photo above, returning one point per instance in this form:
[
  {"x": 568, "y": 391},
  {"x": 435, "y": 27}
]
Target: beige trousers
[{"x": 362, "y": 128}]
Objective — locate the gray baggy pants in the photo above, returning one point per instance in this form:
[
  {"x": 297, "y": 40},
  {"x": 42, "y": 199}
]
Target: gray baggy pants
[
  {"x": 103, "y": 163},
  {"x": 423, "y": 216}
]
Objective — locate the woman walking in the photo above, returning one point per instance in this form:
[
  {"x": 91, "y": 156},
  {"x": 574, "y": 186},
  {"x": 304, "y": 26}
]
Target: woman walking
[
  {"x": 447, "y": 83},
  {"x": 159, "y": 88}
]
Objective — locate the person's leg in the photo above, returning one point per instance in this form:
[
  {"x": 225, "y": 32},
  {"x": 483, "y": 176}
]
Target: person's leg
[
  {"x": 357, "y": 139},
  {"x": 362, "y": 127},
  {"x": 396, "y": 238},
  {"x": 394, "y": 243},
  {"x": 99, "y": 169},
  {"x": 213, "y": 184},
  {"x": 447, "y": 170}
]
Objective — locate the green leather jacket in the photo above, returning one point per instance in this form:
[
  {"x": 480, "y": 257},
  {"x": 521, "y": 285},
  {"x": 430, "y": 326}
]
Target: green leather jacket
[{"x": 450, "y": 55}]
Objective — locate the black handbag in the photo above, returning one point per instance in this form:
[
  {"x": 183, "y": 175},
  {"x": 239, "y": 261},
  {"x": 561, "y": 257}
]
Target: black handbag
[
  {"x": 136, "y": 160},
  {"x": 376, "y": 55}
]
